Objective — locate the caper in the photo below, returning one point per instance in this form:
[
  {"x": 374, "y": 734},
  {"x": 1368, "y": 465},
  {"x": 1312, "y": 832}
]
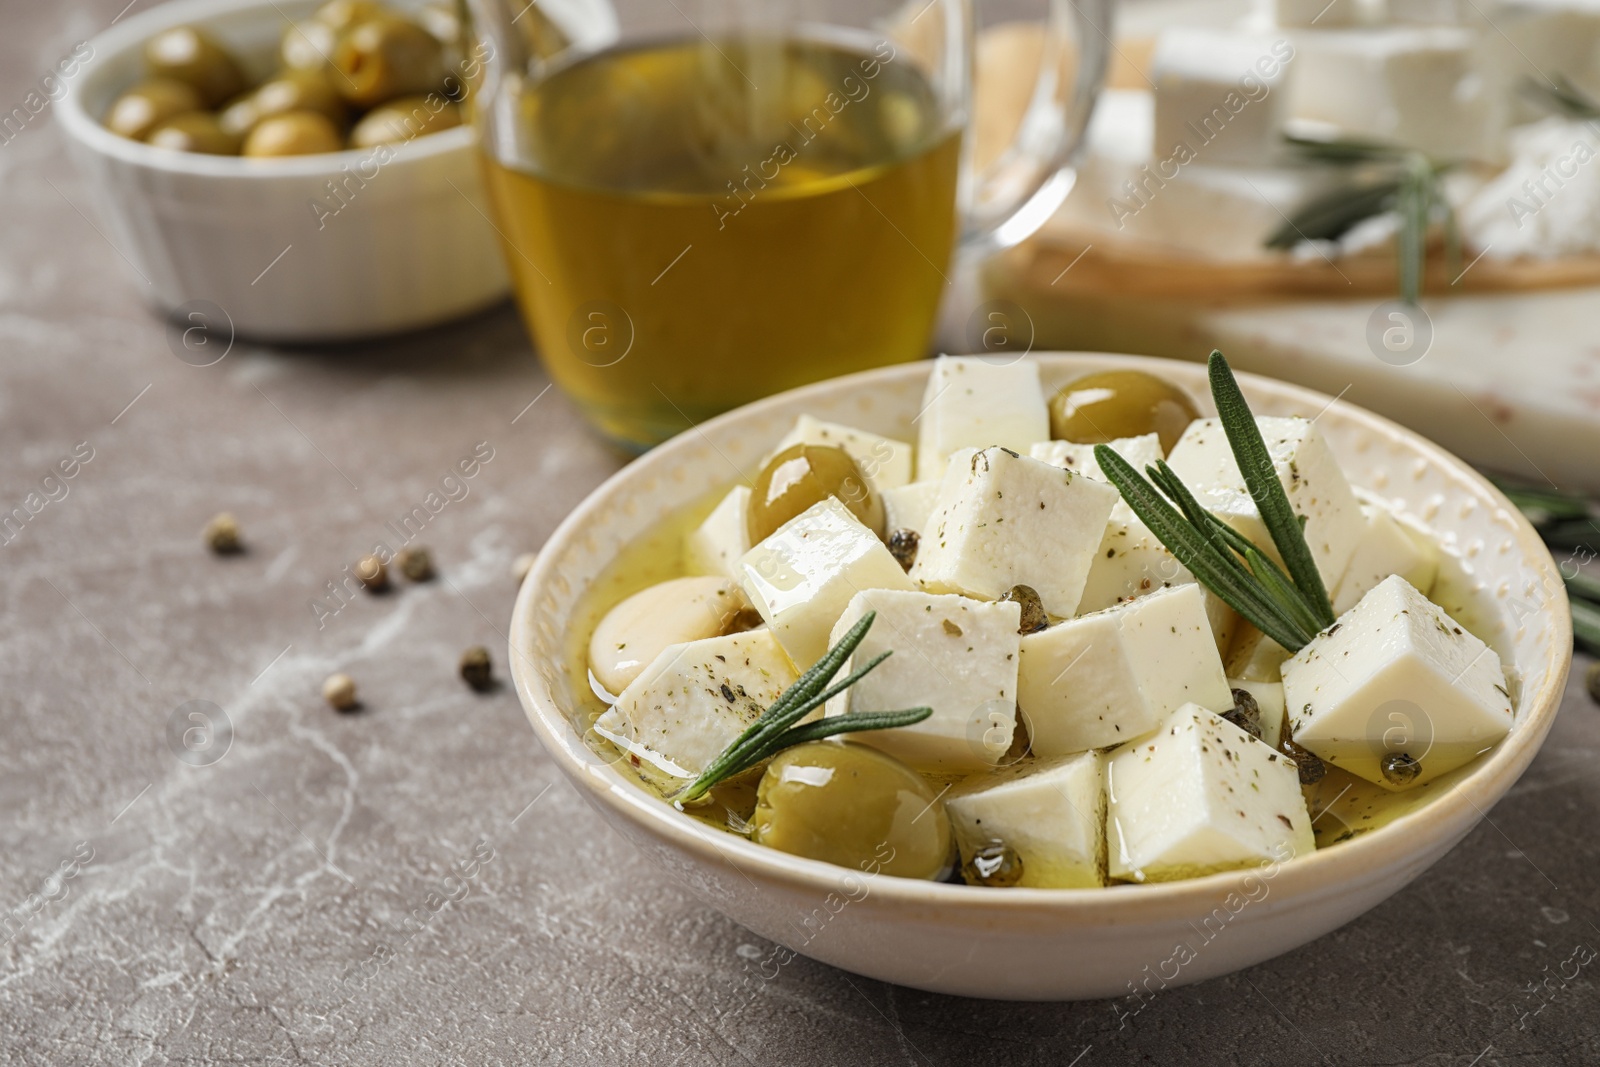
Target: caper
[
  {"x": 803, "y": 475},
  {"x": 854, "y": 806},
  {"x": 903, "y": 547},
  {"x": 384, "y": 57},
  {"x": 415, "y": 563},
  {"x": 1310, "y": 767},
  {"x": 373, "y": 573},
  {"x": 197, "y": 131},
  {"x": 400, "y": 120},
  {"x": 477, "y": 669},
  {"x": 294, "y": 133},
  {"x": 1400, "y": 768},
  {"x": 147, "y": 105},
  {"x": 1591, "y": 681},
  {"x": 995, "y": 865},
  {"x": 188, "y": 55},
  {"x": 1034, "y": 618},
  {"x": 222, "y": 534},
  {"x": 1245, "y": 713},
  {"x": 1121, "y": 403}
]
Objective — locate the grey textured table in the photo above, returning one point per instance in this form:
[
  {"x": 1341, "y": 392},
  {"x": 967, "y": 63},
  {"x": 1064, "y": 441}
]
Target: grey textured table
[{"x": 278, "y": 905}]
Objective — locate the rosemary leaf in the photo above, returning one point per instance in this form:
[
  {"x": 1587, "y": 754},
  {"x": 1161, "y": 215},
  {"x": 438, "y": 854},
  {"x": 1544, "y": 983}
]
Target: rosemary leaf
[
  {"x": 1586, "y": 626},
  {"x": 1330, "y": 216},
  {"x": 1255, "y": 463},
  {"x": 1414, "y": 206},
  {"x": 835, "y": 725},
  {"x": 1581, "y": 586},
  {"x": 1277, "y": 583}
]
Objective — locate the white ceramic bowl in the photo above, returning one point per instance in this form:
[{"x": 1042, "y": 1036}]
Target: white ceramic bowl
[
  {"x": 1043, "y": 944},
  {"x": 410, "y": 244}
]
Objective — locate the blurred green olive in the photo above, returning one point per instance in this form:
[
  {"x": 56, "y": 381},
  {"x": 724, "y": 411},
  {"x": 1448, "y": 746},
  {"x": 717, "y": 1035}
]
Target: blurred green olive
[
  {"x": 147, "y": 105},
  {"x": 342, "y": 14},
  {"x": 803, "y": 475},
  {"x": 401, "y": 120},
  {"x": 294, "y": 133},
  {"x": 195, "y": 131},
  {"x": 1122, "y": 403},
  {"x": 854, "y": 806},
  {"x": 188, "y": 55},
  {"x": 308, "y": 45},
  {"x": 386, "y": 57},
  {"x": 301, "y": 90}
]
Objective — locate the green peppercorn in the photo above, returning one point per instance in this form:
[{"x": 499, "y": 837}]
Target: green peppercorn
[
  {"x": 222, "y": 534},
  {"x": 1033, "y": 617},
  {"x": 903, "y": 547},
  {"x": 1400, "y": 768},
  {"x": 339, "y": 690},
  {"x": 996, "y": 865},
  {"x": 373, "y": 574},
  {"x": 415, "y": 563},
  {"x": 476, "y": 669}
]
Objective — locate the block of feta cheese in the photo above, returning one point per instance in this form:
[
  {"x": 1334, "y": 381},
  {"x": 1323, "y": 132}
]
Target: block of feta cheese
[
  {"x": 908, "y": 507},
  {"x": 718, "y": 543},
  {"x": 1269, "y": 701},
  {"x": 1310, "y": 475},
  {"x": 1139, "y": 451},
  {"x": 1428, "y": 12},
  {"x": 1220, "y": 94},
  {"x": 970, "y": 402},
  {"x": 1412, "y": 85},
  {"x": 954, "y": 655},
  {"x": 1052, "y": 813},
  {"x": 1396, "y": 675},
  {"x": 1109, "y": 677},
  {"x": 694, "y": 698},
  {"x": 1321, "y": 14},
  {"x": 1131, "y": 561},
  {"x": 1255, "y": 657},
  {"x": 1200, "y": 795},
  {"x": 1388, "y": 545},
  {"x": 801, "y": 578},
  {"x": 1003, "y": 519},
  {"x": 884, "y": 462}
]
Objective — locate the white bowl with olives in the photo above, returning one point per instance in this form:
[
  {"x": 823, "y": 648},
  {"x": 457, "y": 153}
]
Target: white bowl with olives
[
  {"x": 1078, "y": 838},
  {"x": 288, "y": 170}
]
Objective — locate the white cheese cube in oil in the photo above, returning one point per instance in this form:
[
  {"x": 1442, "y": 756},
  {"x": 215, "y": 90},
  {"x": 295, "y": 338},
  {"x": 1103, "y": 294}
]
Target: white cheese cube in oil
[
  {"x": 1388, "y": 545},
  {"x": 1112, "y": 676},
  {"x": 801, "y": 577},
  {"x": 970, "y": 402},
  {"x": 1003, "y": 519},
  {"x": 884, "y": 462},
  {"x": 954, "y": 655},
  {"x": 718, "y": 543},
  {"x": 908, "y": 507},
  {"x": 1199, "y": 795},
  {"x": 1396, "y": 676},
  {"x": 1051, "y": 813},
  {"x": 1255, "y": 657}
]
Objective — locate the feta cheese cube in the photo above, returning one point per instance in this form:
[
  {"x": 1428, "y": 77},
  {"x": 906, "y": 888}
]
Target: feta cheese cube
[
  {"x": 1386, "y": 546},
  {"x": 951, "y": 654},
  {"x": 970, "y": 402},
  {"x": 1217, "y": 92},
  {"x": 1255, "y": 657},
  {"x": 1396, "y": 675},
  {"x": 716, "y": 544},
  {"x": 801, "y": 578},
  {"x": 1131, "y": 562},
  {"x": 1269, "y": 700},
  {"x": 1322, "y": 14},
  {"x": 1140, "y": 451},
  {"x": 1200, "y": 795},
  {"x": 1101, "y": 679},
  {"x": 1052, "y": 813},
  {"x": 695, "y": 698},
  {"x": 1310, "y": 476},
  {"x": 1413, "y": 85},
  {"x": 908, "y": 507},
  {"x": 1002, "y": 519},
  {"x": 884, "y": 462}
]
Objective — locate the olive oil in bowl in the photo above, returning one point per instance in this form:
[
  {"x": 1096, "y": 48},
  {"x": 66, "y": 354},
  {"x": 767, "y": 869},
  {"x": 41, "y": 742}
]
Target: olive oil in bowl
[{"x": 691, "y": 225}]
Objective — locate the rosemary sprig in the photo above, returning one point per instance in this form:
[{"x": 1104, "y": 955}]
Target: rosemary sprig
[
  {"x": 1560, "y": 95},
  {"x": 775, "y": 729},
  {"x": 1568, "y": 522},
  {"x": 1289, "y": 604}
]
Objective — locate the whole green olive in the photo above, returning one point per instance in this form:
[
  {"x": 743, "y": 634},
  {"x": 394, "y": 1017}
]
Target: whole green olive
[
  {"x": 401, "y": 120},
  {"x": 385, "y": 57},
  {"x": 147, "y": 105},
  {"x": 342, "y": 14},
  {"x": 854, "y": 806},
  {"x": 300, "y": 90},
  {"x": 308, "y": 45},
  {"x": 803, "y": 475},
  {"x": 1120, "y": 403},
  {"x": 294, "y": 133},
  {"x": 194, "y": 131},
  {"x": 188, "y": 55}
]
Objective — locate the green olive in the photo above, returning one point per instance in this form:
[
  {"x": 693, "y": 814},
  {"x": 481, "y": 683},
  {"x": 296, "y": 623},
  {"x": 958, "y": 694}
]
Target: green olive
[
  {"x": 1120, "y": 403},
  {"x": 386, "y": 57},
  {"x": 188, "y": 55},
  {"x": 342, "y": 14},
  {"x": 294, "y": 133},
  {"x": 300, "y": 90},
  {"x": 147, "y": 105},
  {"x": 803, "y": 475},
  {"x": 308, "y": 45},
  {"x": 195, "y": 131},
  {"x": 401, "y": 120},
  {"x": 854, "y": 806}
]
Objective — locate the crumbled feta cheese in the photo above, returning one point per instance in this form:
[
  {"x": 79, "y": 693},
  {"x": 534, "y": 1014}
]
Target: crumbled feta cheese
[
  {"x": 1052, "y": 813},
  {"x": 954, "y": 655},
  {"x": 970, "y": 402},
  {"x": 1200, "y": 795},
  {"x": 1396, "y": 675},
  {"x": 884, "y": 462},
  {"x": 1101, "y": 679},
  {"x": 715, "y": 546}
]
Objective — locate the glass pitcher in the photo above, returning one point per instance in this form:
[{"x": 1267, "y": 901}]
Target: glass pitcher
[{"x": 703, "y": 202}]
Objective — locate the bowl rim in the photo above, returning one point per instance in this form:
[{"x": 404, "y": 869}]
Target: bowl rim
[
  {"x": 118, "y": 40},
  {"x": 1323, "y": 872}
]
